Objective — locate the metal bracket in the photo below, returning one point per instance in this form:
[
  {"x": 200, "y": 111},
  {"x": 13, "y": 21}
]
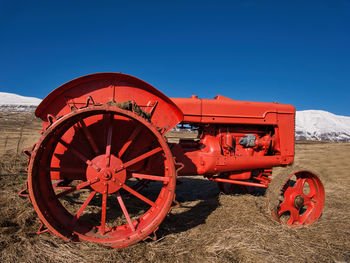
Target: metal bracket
[
  {"x": 88, "y": 100},
  {"x": 179, "y": 166}
]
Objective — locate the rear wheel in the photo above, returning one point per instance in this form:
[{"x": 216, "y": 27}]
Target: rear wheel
[{"x": 84, "y": 174}]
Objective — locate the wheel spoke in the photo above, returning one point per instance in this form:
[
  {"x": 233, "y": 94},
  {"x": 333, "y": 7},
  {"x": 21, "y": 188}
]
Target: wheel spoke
[
  {"x": 283, "y": 207},
  {"x": 294, "y": 216},
  {"x": 150, "y": 177},
  {"x": 104, "y": 211},
  {"x": 313, "y": 189},
  {"x": 77, "y": 187},
  {"x": 138, "y": 195},
  {"x": 299, "y": 185},
  {"x": 304, "y": 218},
  {"x": 142, "y": 157},
  {"x": 89, "y": 137},
  {"x": 109, "y": 141},
  {"x": 288, "y": 191},
  {"x": 125, "y": 211},
  {"x": 55, "y": 186},
  {"x": 81, "y": 209},
  {"x": 308, "y": 199},
  {"x": 131, "y": 138},
  {"x": 79, "y": 155},
  {"x": 58, "y": 186}
]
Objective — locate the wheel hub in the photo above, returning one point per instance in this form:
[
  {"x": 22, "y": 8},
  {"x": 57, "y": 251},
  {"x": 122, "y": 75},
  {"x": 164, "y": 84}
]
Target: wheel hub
[
  {"x": 107, "y": 175},
  {"x": 110, "y": 181},
  {"x": 298, "y": 202}
]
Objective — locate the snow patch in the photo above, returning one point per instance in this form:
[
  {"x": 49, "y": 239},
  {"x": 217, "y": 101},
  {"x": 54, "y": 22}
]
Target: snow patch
[
  {"x": 322, "y": 126},
  {"x": 11, "y": 99}
]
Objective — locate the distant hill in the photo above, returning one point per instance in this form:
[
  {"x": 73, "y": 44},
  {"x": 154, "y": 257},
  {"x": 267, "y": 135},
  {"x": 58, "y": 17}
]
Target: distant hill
[
  {"x": 14, "y": 102},
  {"x": 322, "y": 126},
  {"x": 309, "y": 125}
]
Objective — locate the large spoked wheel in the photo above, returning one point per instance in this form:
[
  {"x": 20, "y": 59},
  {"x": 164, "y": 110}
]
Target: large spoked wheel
[
  {"x": 84, "y": 174},
  {"x": 296, "y": 198}
]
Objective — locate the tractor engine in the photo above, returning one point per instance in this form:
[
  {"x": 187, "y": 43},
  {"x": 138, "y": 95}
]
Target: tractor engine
[{"x": 235, "y": 138}]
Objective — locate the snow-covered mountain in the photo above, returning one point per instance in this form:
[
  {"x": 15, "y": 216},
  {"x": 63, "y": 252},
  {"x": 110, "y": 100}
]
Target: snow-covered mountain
[
  {"x": 322, "y": 126},
  {"x": 14, "y": 102},
  {"x": 14, "y": 99},
  {"x": 309, "y": 125}
]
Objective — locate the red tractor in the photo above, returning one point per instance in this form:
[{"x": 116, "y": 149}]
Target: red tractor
[{"x": 103, "y": 144}]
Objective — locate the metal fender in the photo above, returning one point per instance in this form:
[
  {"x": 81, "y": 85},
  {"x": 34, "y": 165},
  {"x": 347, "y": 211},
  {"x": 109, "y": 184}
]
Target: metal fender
[{"x": 124, "y": 91}]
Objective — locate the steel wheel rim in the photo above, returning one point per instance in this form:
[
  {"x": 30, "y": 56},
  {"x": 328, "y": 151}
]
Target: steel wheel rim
[
  {"x": 54, "y": 214},
  {"x": 299, "y": 207}
]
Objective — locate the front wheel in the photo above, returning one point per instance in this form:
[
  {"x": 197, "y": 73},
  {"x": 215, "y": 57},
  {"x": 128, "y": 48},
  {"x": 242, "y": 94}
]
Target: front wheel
[{"x": 296, "y": 197}]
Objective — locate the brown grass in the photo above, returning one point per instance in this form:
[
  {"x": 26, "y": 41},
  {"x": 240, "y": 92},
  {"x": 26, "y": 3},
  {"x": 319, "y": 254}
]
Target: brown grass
[{"x": 209, "y": 227}]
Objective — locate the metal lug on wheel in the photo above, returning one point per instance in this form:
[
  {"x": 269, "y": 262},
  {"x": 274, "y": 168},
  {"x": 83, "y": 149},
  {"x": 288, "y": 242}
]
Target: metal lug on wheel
[
  {"x": 42, "y": 229},
  {"x": 175, "y": 204},
  {"x": 27, "y": 152},
  {"x": 153, "y": 236},
  {"x": 24, "y": 193},
  {"x": 51, "y": 119}
]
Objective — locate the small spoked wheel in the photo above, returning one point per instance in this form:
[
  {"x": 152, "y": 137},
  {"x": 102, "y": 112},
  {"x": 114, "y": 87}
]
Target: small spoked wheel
[
  {"x": 85, "y": 172},
  {"x": 296, "y": 198}
]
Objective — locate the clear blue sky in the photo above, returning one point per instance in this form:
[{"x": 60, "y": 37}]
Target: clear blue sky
[{"x": 295, "y": 52}]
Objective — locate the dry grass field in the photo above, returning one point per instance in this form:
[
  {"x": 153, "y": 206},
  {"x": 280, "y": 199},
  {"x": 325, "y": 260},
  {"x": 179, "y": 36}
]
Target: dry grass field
[{"x": 208, "y": 227}]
